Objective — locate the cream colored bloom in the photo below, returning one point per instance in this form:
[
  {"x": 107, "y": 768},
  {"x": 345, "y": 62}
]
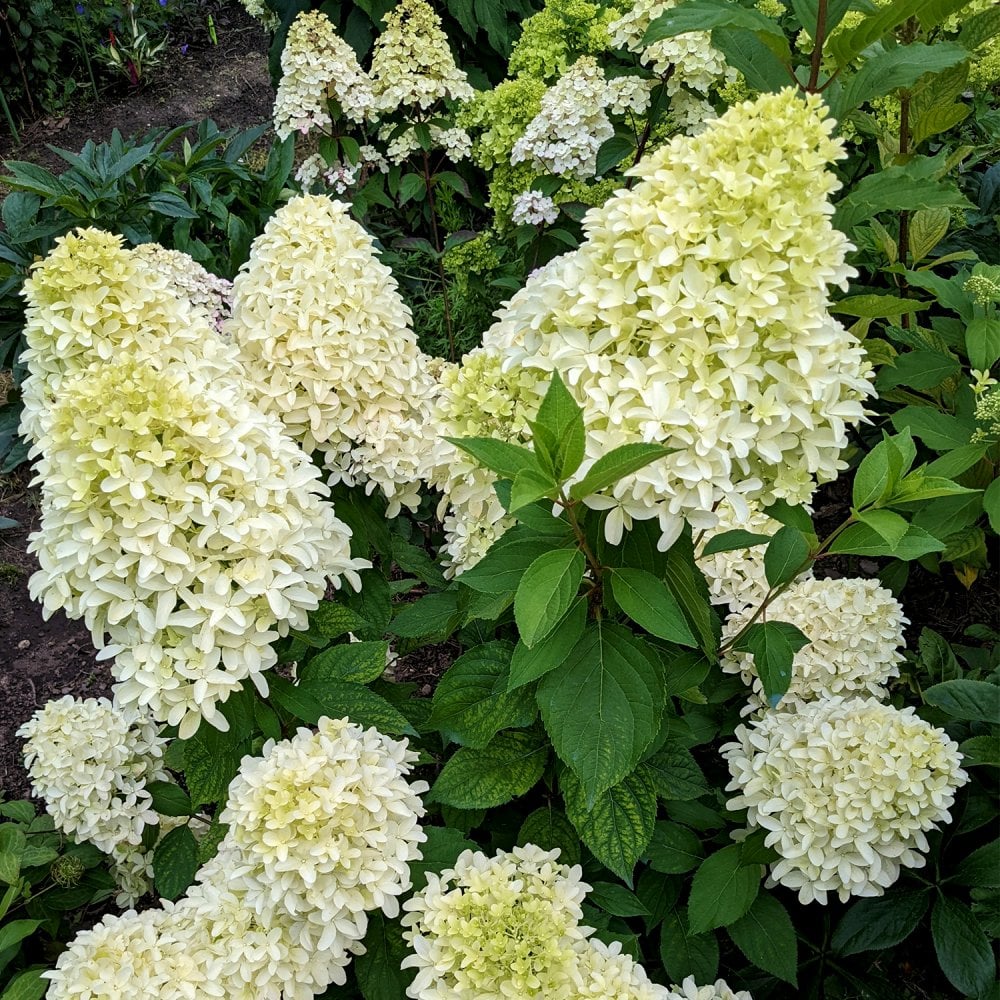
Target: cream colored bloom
[
  {"x": 847, "y": 790},
  {"x": 189, "y": 281},
  {"x": 720, "y": 990},
  {"x": 606, "y": 973},
  {"x": 497, "y": 927},
  {"x": 855, "y": 632}
]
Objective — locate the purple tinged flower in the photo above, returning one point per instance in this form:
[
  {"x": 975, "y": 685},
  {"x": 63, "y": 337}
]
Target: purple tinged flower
[
  {"x": 80, "y": 8},
  {"x": 184, "y": 49},
  {"x": 163, "y": 3}
]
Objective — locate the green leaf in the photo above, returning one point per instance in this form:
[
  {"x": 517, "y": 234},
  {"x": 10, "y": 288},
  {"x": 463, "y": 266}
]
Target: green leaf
[
  {"x": 685, "y": 954},
  {"x": 14, "y": 932},
  {"x": 918, "y": 487},
  {"x": 847, "y": 44},
  {"x": 169, "y": 799},
  {"x": 877, "y": 306},
  {"x": 773, "y": 645},
  {"x": 546, "y": 591},
  {"x": 505, "y": 769},
  {"x": 549, "y": 828},
  {"x": 982, "y": 341},
  {"x": 207, "y": 774},
  {"x": 786, "y": 555},
  {"x": 332, "y": 620},
  {"x": 501, "y": 569},
  {"x": 722, "y": 890},
  {"x": 991, "y": 504},
  {"x": 981, "y": 867},
  {"x": 766, "y": 935},
  {"x": 675, "y": 773},
  {"x": 738, "y": 538},
  {"x": 744, "y": 51},
  {"x": 706, "y": 15},
  {"x": 501, "y": 457},
  {"x": 435, "y": 615},
  {"x": 863, "y": 540},
  {"x": 890, "y": 527},
  {"x": 471, "y": 704},
  {"x": 175, "y": 862},
  {"x": 360, "y": 662},
  {"x": 971, "y": 701},
  {"x": 650, "y": 604},
  {"x": 530, "y": 486},
  {"x": 918, "y": 370},
  {"x": 411, "y": 187},
  {"x": 616, "y": 900},
  {"x": 337, "y": 699},
  {"x": 980, "y": 28},
  {"x": 602, "y": 706},
  {"x": 378, "y": 966},
  {"x": 172, "y": 205},
  {"x": 557, "y": 432},
  {"x": 612, "y": 152},
  {"x": 674, "y": 849},
  {"x": 20, "y": 810},
  {"x": 26, "y": 986},
  {"x": 441, "y": 849},
  {"x": 687, "y": 584},
  {"x": 619, "y": 826},
  {"x": 793, "y": 516},
  {"x": 527, "y": 665},
  {"x": 882, "y": 922},
  {"x": 413, "y": 559},
  {"x": 878, "y": 474},
  {"x": 981, "y": 751},
  {"x": 939, "y": 431},
  {"x": 962, "y": 948},
  {"x": 616, "y": 465},
  {"x": 957, "y": 461}
]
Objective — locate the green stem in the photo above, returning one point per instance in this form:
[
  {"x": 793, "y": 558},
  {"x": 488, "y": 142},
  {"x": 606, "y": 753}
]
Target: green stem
[
  {"x": 438, "y": 247},
  {"x": 819, "y": 40},
  {"x": 10, "y": 118}
]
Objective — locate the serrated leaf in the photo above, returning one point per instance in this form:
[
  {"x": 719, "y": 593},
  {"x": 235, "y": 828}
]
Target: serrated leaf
[
  {"x": 650, "y": 604},
  {"x": 207, "y": 774},
  {"x": 169, "y": 799},
  {"x": 530, "y": 486},
  {"x": 773, "y": 645},
  {"x": 674, "y": 849},
  {"x": 378, "y": 966},
  {"x": 505, "y": 769},
  {"x": 982, "y": 342},
  {"x": 940, "y": 431},
  {"x": 433, "y": 616},
  {"x": 612, "y": 152},
  {"x": 619, "y": 826},
  {"x": 546, "y": 591},
  {"x": 675, "y": 773},
  {"x": 722, "y": 890},
  {"x": 20, "y": 810},
  {"x": 616, "y": 465},
  {"x": 971, "y": 701},
  {"x": 963, "y": 950},
  {"x": 501, "y": 457},
  {"x": 359, "y": 662},
  {"x": 981, "y": 751},
  {"x": 549, "y": 828},
  {"x": 685, "y": 954},
  {"x": 890, "y": 527},
  {"x": 766, "y": 936},
  {"x": 27, "y": 986},
  {"x": 880, "y": 923},
  {"x": 557, "y": 432},
  {"x": 471, "y": 703},
  {"x": 337, "y": 699},
  {"x": 527, "y": 665},
  {"x": 602, "y": 706},
  {"x": 501, "y": 569},
  {"x": 921, "y": 369},
  {"x": 15, "y": 931},
  {"x": 862, "y": 540},
  {"x": 441, "y": 849},
  {"x": 616, "y": 900},
  {"x": 175, "y": 861},
  {"x": 981, "y": 867}
]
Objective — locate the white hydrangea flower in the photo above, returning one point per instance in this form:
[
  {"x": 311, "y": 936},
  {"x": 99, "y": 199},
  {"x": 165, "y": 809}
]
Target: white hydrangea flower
[
  {"x": 259, "y": 10},
  {"x": 90, "y": 760},
  {"x": 501, "y": 926},
  {"x": 696, "y": 314},
  {"x": 565, "y": 135},
  {"x": 608, "y": 974},
  {"x": 327, "y": 346},
  {"x": 847, "y": 790},
  {"x": 412, "y": 65},
  {"x": 185, "y": 528},
  {"x": 188, "y": 280},
  {"x": 534, "y": 209},
  {"x": 92, "y": 300},
  {"x": 720, "y": 990},
  {"x": 327, "y": 820},
  {"x": 369, "y": 154},
  {"x": 310, "y": 170},
  {"x": 318, "y": 66},
  {"x": 855, "y": 632},
  {"x": 629, "y": 95}
]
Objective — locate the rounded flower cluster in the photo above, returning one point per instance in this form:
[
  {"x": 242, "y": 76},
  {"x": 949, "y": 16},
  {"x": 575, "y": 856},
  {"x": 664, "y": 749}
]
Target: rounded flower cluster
[
  {"x": 318, "y": 66},
  {"x": 689, "y": 990},
  {"x": 555, "y": 37},
  {"x": 500, "y": 116},
  {"x": 259, "y": 10},
  {"x": 90, "y": 761},
  {"x": 92, "y": 300},
  {"x": 696, "y": 314},
  {"x": 847, "y": 790},
  {"x": 338, "y": 844},
  {"x": 629, "y": 95},
  {"x": 189, "y": 281},
  {"x": 608, "y": 974},
  {"x": 412, "y": 65},
  {"x": 855, "y": 632},
  {"x": 185, "y": 528},
  {"x": 565, "y": 135},
  {"x": 327, "y": 346},
  {"x": 534, "y": 209}
]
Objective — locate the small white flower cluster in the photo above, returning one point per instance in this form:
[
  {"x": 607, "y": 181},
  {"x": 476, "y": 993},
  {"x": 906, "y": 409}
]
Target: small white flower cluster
[
  {"x": 189, "y": 281},
  {"x": 327, "y": 346},
  {"x": 719, "y": 990},
  {"x": 339, "y": 176},
  {"x": 534, "y": 209},
  {"x": 412, "y": 65},
  {"x": 855, "y": 633},
  {"x": 509, "y": 926},
  {"x": 455, "y": 141},
  {"x": 629, "y": 95},
  {"x": 323, "y": 829},
  {"x": 847, "y": 790},
  {"x": 259, "y": 10},
  {"x": 692, "y": 59},
  {"x": 318, "y": 66},
  {"x": 565, "y": 135}
]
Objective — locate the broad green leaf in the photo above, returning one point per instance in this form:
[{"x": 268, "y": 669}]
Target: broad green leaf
[
  {"x": 618, "y": 827},
  {"x": 337, "y": 699},
  {"x": 744, "y": 51},
  {"x": 612, "y": 152},
  {"x": 15, "y": 931},
  {"x": 435, "y": 615},
  {"x": 939, "y": 431},
  {"x": 982, "y": 341},
  {"x": 878, "y": 474},
  {"x": 175, "y": 862},
  {"x": 947, "y": 515},
  {"x": 917, "y": 487},
  {"x": 441, "y": 849},
  {"x": 785, "y": 556},
  {"x": 674, "y": 849},
  {"x": 471, "y": 704},
  {"x": 549, "y": 828},
  {"x": 707, "y": 15},
  {"x": 557, "y": 432},
  {"x": 684, "y": 671},
  {"x": 971, "y": 701},
  {"x": 501, "y": 457},
  {"x": 616, "y": 465},
  {"x": 963, "y": 950},
  {"x": 862, "y": 540},
  {"x": 378, "y": 966},
  {"x": 501, "y": 569},
  {"x": 688, "y": 585},
  {"x": 991, "y": 504},
  {"x": 773, "y": 645},
  {"x": 169, "y": 799},
  {"x": 738, "y": 538},
  {"x": 880, "y": 923},
  {"x": 332, "y": 620},
  {"x": 530, "y": 486},
  {"x": 766, "y": 935},
  {"x": 527, "y": 665},
  {"x": 360, "y": 662},
  {"x": 650, "y": 604},
  {"x": 546, "y": 591},
  {"x": 207, "y": 774},
  {"x": 981, "y": 867},
  {"x": 26, "y": 986},
  {"x": 877, "y": 306},
  {"x": 981, "y": 750},
  {"x": 980, "y": 28},
  {"x": 20, "y": 810},
  {"x": 847, "y": 44},
  {"x": 890, "y": 527},
  {"x": 954, "y": 463},
  {"x": 918, "y": 370},
  {"x": 722, "y": 890},
  {"x": 507, "y": 768},
  {"x": 793, "y": 516},
  {"x": 685, "y": 954},
  {"x": 602, "y": 706},
  {"x": 12, "y": 845},
  {"x": 675, "y": 773}
]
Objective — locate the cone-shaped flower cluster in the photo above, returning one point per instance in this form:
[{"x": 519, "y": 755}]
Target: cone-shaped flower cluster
[
  {"x": 189, "y": 281},
  {"x": 326, "y": 343},
  {"x": 322, "y": 830}
]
